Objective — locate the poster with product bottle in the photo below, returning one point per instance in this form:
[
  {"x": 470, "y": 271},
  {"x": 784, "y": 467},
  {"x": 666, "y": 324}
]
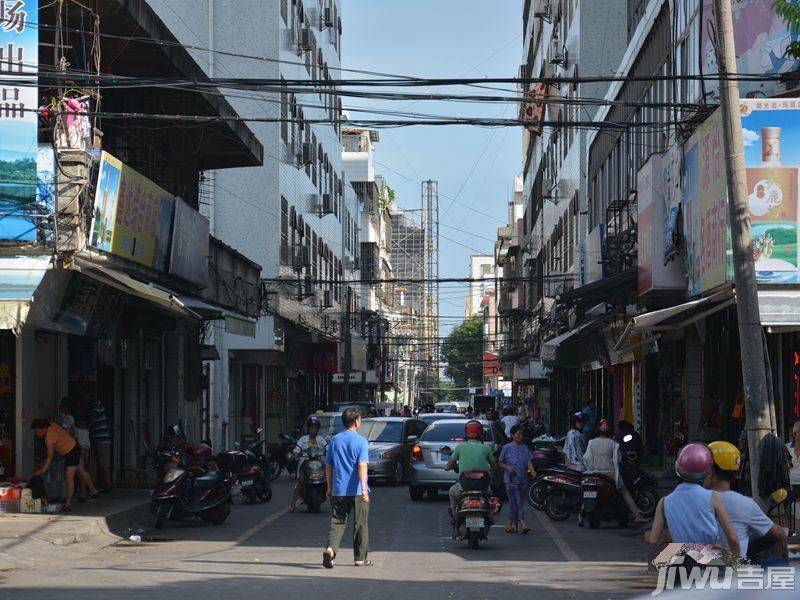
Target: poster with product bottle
[{"x": 771, "y": 129}]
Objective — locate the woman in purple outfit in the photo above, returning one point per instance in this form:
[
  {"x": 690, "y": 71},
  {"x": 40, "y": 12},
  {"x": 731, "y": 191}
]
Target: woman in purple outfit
[{"x": 515, "y": 460}]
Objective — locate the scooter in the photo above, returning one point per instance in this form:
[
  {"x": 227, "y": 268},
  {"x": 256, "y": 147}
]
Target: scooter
[
  {"x": 250, "y": 476},
  {"x": 559, "y": 491},
  {"x": 476, "y": 509},
  {"x": 601, "y": 501},
  {"x": 643, "y": 486},
  {"x": 551, "y": 479},
  {"x": 186, "y": 491},
  {"x": 281, "y": 456},
  {"x": 315, "y": 486}
]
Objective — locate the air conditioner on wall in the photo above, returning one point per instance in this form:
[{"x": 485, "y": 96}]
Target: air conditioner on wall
[
  {"x": 305, "y": 41},
  {"x": 558, "y": 53},
  {"x": 308, "y": 286},
  {"x": 322, "y": 205},
  {"x": 327, "y": 17},
  {"x": 301, "y": 257},
  {"x": 307, "y": 154},
  {"x": 327, "y": 299}
]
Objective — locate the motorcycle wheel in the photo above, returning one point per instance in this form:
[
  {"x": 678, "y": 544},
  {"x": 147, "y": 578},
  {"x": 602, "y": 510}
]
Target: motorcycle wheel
[
  {"x": 162, "y": 514},
  {"x": 556, "y": 508},
  {"x": 647, "y": 500},
  {"x": 275, "y": 469},
  {"x": 264, "y": 491},
  {"x": 474, "y": 539},
  {"x": 218, "y": 515},
  {"x": 537, "y": 495},
  {"x": 251, "y": 496}
]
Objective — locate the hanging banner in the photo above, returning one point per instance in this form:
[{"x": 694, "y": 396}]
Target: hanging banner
[
  {"x": 132, "y": 215},
  {"x": 20, "y": 215},
  {"x": 189, "y": 250},
  {"x": 669, "y": 183},
  {"x": 690, "y": 207},
  {"x": 533, "y": 111}
]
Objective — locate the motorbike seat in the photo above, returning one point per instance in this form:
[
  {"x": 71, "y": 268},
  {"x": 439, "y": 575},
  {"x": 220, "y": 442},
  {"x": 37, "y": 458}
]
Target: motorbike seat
[{"x": 208, "y": 480}]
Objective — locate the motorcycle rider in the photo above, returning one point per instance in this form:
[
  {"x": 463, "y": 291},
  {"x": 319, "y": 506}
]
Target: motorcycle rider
[
  {"x": 749, "y": 521},
  {"x": 603, "y": 456},
  {"x": 575, "y": 443},
  {"x": 312, "y": 438},
  {"x": 472, "y": 455},
  {"x": 693, "y": 514}
]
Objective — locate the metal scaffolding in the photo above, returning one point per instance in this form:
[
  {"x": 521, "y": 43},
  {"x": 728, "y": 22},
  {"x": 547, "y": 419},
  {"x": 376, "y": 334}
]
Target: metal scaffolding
[{"x": 430, "y": 219}]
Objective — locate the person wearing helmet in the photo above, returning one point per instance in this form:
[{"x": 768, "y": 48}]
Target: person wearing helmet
[
  {"x": 693, "y": 514},
  {"x": 311, "y": 438},
  {"x": 603, "y": 456},
  {"x": 471, "y": 455},
  {"x": 755, "y": 530},
  {"x": 575, "y": 443}
]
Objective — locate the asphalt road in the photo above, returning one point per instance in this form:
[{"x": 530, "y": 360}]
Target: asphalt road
[{"x": 264, "y": 550}]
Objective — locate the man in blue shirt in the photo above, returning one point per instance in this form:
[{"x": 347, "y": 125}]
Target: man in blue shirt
[{"x": 346, "y": 459}]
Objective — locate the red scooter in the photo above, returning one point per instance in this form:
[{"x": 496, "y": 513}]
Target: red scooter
[{"x": 187, "y": 489}]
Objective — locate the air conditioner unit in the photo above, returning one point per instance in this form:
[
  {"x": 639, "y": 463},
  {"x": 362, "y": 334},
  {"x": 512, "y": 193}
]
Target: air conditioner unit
[
  {"x": 305, "y": 41},
  {"x": 327, "y": 17},
  {"x": 548, "y": 186},
  {"x": 308, "y": 286},
  {"x": 558, "y": 53},
  {"x": 301, "y": 257},
  {"x": 307, "y": 154},
  {"x": 354, "y": 264},
  {"x": 327, "y": 204},
  {"x": 327, "y": 299}
]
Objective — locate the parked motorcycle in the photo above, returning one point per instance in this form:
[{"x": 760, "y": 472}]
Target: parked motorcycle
[
  {"x": 314, "y": 489},
  {"x": 476, "y": 509},
  {"x": 249, "y": 474},
  {"x": 560, "y": 492},
  {"x": 643, "y": 486},
  {"x": 552, "y": 479},
  {"x": 189, "y": 490},
  {"x": 281, "y": 456},
  {"x": 601, "y": 501}
]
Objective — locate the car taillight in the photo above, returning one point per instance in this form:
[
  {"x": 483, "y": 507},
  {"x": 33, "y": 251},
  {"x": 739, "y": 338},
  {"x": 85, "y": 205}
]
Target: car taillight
[
  {"x": 416, "y": 453},
  {"x": 474, "y": 503}
]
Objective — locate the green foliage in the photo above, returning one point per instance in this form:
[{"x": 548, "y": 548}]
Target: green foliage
[
  {"x": 448, "y": 394},
  {"x": 782, "y": 235},
  {"x": 388, "y": 198},
  {"x": 462, "y": 350},
  {"x": 22, "y": 170},
  {"x": 789, "y": 10}
]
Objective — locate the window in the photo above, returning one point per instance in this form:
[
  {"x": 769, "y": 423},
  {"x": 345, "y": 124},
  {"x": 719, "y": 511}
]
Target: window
[{"x": 284, "y": 231}]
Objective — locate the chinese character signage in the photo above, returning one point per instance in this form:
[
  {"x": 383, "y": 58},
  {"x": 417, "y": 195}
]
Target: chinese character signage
[
  {"x": 653, "y": 188},
  {"x": 189, "y": 251},
  {"x": 132, "y": 215},
  {"x": 19, "y": 58}
]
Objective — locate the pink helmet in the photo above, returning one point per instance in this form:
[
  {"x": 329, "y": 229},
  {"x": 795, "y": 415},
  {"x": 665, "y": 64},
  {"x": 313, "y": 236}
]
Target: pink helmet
[{"x": 694, "y": 462}]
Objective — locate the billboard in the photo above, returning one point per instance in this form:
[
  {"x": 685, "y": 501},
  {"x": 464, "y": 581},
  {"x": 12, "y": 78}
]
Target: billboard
[
  {"x": 761, "y": 37},
  {"x": 189, "y": 249},
  {"x": 132, "y": 215},
  {"x": 20, "y": 219},
  {"x": 654, "y": 186}
]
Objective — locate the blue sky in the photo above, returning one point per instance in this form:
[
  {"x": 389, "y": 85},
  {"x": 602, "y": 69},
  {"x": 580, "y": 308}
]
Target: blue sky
[
  {"x": 787, "y": 120},
  {"x": 444, "y": 38}
]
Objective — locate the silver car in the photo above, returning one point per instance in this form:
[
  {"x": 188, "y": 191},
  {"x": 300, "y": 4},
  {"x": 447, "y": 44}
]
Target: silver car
[
  {"x": 390, "y": 442},
  {"x": 431, "y": 417},
  {"x": 434, "y": 449}
]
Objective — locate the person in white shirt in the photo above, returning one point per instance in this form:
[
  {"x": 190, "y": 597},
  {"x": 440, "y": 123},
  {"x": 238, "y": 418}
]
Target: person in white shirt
[
  {"x": 755, "y": 530},
  {"x": 312, "y": 438},
  {"x": 509, "y": 420}
]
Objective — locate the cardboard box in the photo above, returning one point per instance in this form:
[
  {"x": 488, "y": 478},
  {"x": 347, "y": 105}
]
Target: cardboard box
[{"x": 30, "y": 506}]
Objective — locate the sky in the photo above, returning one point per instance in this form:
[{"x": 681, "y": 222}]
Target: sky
[{"x": 473, "y": 165}]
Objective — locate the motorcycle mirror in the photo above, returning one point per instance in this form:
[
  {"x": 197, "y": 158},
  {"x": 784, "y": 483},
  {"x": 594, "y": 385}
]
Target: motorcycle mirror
[
  {"x": 632, "y": 456},
  {"x": 260, "y": 430},
  {"x": 627, "y": 438},
  {"x": 285, "y": 437}
]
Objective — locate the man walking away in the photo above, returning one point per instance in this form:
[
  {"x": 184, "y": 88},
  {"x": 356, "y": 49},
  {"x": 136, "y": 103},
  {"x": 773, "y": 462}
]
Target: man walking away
[
  {"x": 346, "y": 471},
  {"x": 101, "y": 443}
]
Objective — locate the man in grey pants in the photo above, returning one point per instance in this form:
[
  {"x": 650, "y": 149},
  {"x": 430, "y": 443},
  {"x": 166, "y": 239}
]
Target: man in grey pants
[{"x": 346, "y": 459}]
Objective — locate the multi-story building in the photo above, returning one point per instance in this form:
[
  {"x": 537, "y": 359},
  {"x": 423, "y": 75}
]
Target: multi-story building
[
  {"x": 110, "y": 276},
  {"x": 482, "y": 274},
  {"x": 296, "y": 215}
]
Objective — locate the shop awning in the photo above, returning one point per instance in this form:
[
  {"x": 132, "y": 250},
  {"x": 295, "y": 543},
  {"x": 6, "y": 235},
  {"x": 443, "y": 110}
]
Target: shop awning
[
  {"x": 550, "y": 347},
  {"x": 675, "y": 317},
  {"x": 780, "y": 310},
  {"x": 161, "y": 298},
  {"x": 530, "y": 371},
  {"x": 235, "y": 323},
  {"x": 19, "y": 278}
]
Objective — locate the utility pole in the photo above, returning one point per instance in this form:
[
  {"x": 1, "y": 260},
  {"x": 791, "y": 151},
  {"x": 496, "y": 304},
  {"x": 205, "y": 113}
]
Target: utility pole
[
  {"x": 381, "y": 342},
  {"x": 758, "y": 419},
  {"x": 348, "y": 341}
]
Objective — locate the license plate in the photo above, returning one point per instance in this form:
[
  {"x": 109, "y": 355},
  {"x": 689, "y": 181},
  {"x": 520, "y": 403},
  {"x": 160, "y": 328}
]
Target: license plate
[
  {"x": 247, "y": 482},
  {"x": 590, "y": 494},
  {"x": 445, "y": 456},
  {"x": 474, "y": 522}
]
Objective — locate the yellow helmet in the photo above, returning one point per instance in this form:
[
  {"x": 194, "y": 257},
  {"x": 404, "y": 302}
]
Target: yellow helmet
[{"x": 726, "y": 456}]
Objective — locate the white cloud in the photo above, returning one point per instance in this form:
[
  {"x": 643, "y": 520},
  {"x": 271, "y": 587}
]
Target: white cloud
[{"x": 749, "y": 137}]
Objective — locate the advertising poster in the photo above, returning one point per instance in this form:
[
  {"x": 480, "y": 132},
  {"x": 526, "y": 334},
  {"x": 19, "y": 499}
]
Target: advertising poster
[
  {"x": 20, "y": 214},
  {"x": 772, "y": 156},
  {"x": 133, "y": 215},
  {"x": 761, "y": 37},
  {"x": 669, "y": 196},
  {"x": 691, "y": 217},
  {"x": 189, "y": 251}
]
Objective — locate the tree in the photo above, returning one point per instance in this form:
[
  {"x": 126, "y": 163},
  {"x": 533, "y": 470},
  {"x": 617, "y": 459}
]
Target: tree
[
  {"x": 790, "y": 11},
  {"x": 462, "y": 350}
]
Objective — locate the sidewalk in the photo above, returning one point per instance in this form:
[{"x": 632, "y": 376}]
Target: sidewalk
[{"x": 27, "y": 540}]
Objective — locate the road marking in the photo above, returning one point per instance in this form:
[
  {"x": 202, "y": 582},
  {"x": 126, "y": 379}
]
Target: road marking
[
  {"x": 256, "y": 528},
  {"x": 556, "y": 536}
]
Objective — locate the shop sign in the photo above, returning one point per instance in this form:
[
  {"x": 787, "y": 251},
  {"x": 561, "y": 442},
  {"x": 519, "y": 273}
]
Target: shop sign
[
  {"x": 132, "y": 215},
  {"x": 188, "y": 257},
  {"x": 322, "y": 358},
  {"x": 491, "y": 365},
  {"x": 19, "y": 64},
  {"x": 654, "y": 183},
  {"x": 761, "y": 37},
  {"x": 590, "y": 256}
]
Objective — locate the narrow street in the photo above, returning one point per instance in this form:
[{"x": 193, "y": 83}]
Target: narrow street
[{"x": 264, "y": 549}]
